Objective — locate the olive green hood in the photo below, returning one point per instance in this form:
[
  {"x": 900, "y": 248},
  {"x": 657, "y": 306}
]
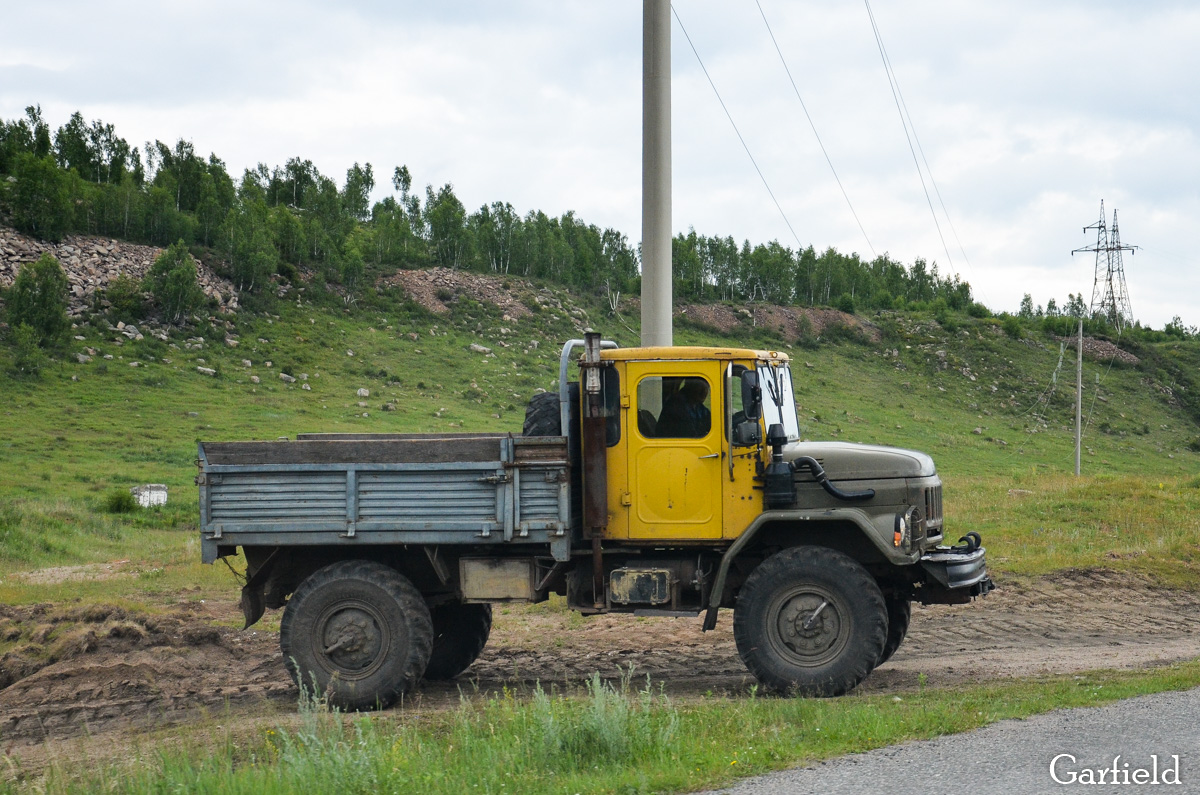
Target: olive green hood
[{"x": 849, "y": 461}]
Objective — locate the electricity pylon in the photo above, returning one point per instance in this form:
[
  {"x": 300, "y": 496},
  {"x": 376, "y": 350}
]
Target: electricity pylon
[{"x": 1110, "y": 296}]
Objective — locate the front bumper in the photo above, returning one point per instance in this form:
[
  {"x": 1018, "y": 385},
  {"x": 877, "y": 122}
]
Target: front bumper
[{"x": 954, "y": 575}]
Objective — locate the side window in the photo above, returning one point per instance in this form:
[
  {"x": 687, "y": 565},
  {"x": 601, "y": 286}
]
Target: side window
[
  {"x": 674, "y": 407},
  {"x": 735, "y": 399},
  {"x": 611, "y": 386}
]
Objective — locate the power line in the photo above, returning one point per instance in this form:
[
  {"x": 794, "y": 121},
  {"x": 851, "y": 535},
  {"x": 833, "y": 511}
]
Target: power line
[
  {"x": 906, "y": 123},
  {"x": 814, "y": 129},
  {"x": 735, "y": 128}
]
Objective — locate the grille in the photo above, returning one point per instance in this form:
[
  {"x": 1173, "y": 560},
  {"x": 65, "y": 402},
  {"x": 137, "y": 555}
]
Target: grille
[{"x": 933, "y": 510}]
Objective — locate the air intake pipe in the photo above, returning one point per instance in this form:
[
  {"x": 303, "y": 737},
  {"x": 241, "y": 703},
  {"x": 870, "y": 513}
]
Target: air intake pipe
[{"x": 779, "y": 487}]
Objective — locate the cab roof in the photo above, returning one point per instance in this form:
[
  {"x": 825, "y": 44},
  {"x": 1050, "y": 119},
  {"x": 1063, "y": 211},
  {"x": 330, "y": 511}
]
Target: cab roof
[{"x": 688, "y": 353}]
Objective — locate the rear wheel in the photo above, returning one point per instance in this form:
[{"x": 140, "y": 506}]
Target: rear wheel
[
  {"x": 810, "y": 620},
  {"x": 459, "y": 634},
  {"x": 357, "y": 633}
]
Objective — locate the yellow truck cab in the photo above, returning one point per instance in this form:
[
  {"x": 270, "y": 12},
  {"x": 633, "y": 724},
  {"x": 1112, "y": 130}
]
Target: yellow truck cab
[{"x": 674, "y": 475}]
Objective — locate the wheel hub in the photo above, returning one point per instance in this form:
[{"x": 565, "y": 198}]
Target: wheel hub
[
  {"x": 352, "y": 640},
  {"x": 808, "y": 625}
]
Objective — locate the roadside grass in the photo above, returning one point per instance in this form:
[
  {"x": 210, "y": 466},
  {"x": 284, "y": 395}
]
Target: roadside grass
[{"x": 610, "y": 739}]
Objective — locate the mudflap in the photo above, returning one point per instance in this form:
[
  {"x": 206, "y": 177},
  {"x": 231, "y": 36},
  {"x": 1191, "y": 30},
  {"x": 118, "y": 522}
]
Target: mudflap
[
  {"x": 954, "y": 575},
  {"x": 253, "y": 603},
  {"x": 253, "y": 599}
]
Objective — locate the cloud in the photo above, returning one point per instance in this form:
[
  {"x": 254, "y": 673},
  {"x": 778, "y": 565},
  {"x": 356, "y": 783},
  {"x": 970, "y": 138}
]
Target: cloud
[{"x": 1029, "y": 113}]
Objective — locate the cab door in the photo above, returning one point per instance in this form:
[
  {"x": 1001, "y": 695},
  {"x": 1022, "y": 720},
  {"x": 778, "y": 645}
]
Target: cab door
[{"x": 675, "y": 450}]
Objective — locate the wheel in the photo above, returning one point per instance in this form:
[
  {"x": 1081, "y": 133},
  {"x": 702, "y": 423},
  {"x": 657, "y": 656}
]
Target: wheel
[
  {"x": 899, "y": 613},
  {"x": 542, "y": 418},
  {"x": 358, "y": 633},
  {"x": 810, "y": 620},
  {"x": 459, "y": 634}
]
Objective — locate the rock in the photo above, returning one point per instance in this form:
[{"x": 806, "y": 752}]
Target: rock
[
  {"x": 364, "y": 393},
  {"x": 255, "y": 379},
  {"x": 232, "y": 343},
  {"x": 108, "y": 356},
  {"x": 246, "y": 363},
  {"x": 362, "y": 404},
  {"x": 306, "y": 387},
  {"x": 475, "y": 347},
  {"x": 206, "y": 371},
  {"x": 268, "y": 364},
  {"x": 388, "y": 407},
  {"x": 978, "y": 431},
  {"x": 303, "y": 376},
  {"x": 82, "y": 358},
  {"x": 79, "y": 338},
  {"x": 135, "y": 364},
  {"x": 349, "y": 353},
  {"x": 287, "y": 379}
]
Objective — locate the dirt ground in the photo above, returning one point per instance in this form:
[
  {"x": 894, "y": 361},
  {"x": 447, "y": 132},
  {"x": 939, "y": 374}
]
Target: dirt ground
[{"x": 115, "y": 674}]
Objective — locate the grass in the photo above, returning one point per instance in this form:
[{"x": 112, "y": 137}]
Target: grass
[
  {"x": 610, "y": 739},
  {"x": 995, "y": 413}
]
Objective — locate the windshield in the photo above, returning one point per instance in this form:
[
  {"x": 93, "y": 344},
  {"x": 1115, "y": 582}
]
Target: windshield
[{"x": 779, "y": 406}]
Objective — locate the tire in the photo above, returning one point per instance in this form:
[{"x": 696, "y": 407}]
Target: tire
[
  {"x": 829, "y": 591},
  {"x": 899, "y": 613},
  {"x": 459, "y": 634},
  {"x": 542, "y": 418},
  {"x": 381, "y": 623}
]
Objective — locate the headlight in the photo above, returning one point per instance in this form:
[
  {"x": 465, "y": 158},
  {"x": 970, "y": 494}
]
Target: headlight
[{"x": 908, "y": 525}]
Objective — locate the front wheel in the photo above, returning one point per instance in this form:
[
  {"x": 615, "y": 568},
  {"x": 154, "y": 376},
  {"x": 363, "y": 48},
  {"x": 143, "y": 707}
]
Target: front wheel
[
  {"x": 810, "y": 620},
  {"x": 899, "y": 612},
  {"x": 357, "y": 633}
]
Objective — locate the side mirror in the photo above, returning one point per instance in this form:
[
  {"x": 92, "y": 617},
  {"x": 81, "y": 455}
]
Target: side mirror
[
  {"x": 751, "y": 395},
  {"x": 746, "y": 434}
]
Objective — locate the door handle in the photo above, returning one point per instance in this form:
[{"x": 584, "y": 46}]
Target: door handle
[{"x": 712, "y": 455}]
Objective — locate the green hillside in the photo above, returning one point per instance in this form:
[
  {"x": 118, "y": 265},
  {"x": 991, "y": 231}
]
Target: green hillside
[{"x": 996, "y": 413}]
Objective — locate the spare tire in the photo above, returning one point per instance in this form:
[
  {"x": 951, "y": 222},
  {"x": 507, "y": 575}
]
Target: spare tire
[{"x": 543, "y": 418}]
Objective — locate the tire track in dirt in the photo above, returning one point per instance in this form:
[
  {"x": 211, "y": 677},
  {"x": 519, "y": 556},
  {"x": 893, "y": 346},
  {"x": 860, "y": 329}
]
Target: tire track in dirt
[{"x": 132, "y": 673}]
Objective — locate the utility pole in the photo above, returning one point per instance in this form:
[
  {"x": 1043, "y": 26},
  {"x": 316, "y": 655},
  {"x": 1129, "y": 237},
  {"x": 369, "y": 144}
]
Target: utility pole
[
  {"x": 1078, "y": 396},
  {"x": 1110, "y": 296},
  {"x": 656, "y": 173}
]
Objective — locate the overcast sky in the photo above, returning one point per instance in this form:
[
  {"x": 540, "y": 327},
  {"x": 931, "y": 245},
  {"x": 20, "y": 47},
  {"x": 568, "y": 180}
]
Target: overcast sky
[{"x": 1029, "y": 113}]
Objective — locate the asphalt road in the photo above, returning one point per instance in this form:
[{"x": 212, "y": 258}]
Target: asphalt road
[{"x": 1015, "y": 756}]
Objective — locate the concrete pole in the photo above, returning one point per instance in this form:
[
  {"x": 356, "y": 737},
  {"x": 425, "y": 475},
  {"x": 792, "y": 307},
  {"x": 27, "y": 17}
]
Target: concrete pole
[
  {"x": 1078, "y": 396},
  {"x": 656, "y": 173}
]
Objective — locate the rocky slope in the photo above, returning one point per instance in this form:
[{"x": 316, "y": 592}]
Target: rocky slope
[{"x": 92, "y": 263}]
